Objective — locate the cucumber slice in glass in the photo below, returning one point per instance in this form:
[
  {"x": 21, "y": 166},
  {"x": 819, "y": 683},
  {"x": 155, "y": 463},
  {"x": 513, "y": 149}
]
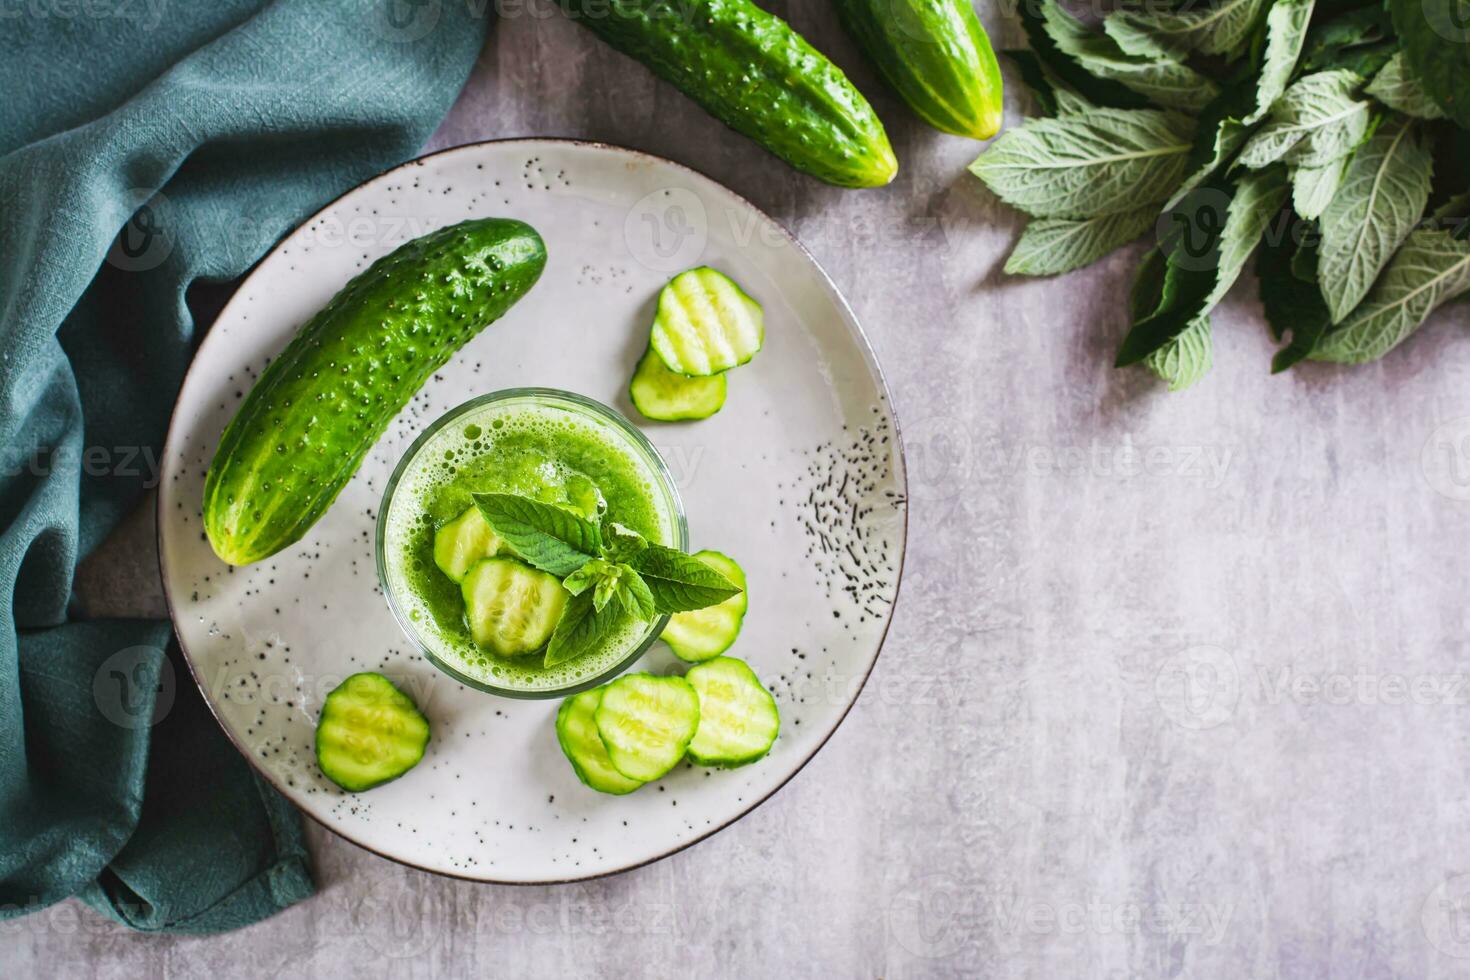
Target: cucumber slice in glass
[
  {"x": 700, "y": 634},
  {"x": 664, "y": 396},
  {"x": 464, "y": 541},
  {"x": 512, "y": 608},
  {"x": 369, "y": 732},
  {"x": 645, "y": 722},
  {"x": 738, "y": 720},
  {"x": 706, "y": 324},
  {"x": 576, "y": 730}
]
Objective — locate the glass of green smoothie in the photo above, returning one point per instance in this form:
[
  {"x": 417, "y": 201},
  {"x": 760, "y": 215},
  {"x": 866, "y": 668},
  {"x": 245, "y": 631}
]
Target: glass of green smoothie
[{"x": 548, "y": 445}]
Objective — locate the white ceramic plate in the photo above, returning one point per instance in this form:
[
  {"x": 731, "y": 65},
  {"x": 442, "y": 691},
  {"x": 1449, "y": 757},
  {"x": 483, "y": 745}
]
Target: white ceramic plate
[{"x": 800, "y": 477}]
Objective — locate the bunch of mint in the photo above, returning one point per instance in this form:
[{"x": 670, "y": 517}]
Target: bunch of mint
[{"x": 1335, "y": 132}]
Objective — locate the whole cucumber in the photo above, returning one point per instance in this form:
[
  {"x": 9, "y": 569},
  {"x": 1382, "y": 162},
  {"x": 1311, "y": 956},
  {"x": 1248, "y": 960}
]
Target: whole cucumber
[
  {"x": 936, "y": 54},
  {"x": 752, "y": 72},
  {"x": 319, "y": 407}
]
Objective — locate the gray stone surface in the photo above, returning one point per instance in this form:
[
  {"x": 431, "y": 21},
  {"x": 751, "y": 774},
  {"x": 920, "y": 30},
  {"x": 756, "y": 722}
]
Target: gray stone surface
[{"x": 1176, "y": 684}]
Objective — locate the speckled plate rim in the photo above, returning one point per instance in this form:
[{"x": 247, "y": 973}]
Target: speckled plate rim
[{"x": 848, "y": 317}]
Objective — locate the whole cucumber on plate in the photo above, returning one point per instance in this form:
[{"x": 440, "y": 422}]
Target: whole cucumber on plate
[
  {"x": 319, "y": 407},
  {"x": 936, "y": 54},
  {"x": 755, "y": 74}
]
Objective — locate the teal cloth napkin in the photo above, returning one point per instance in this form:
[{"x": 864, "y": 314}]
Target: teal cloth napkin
[{"x": 146, "y": 146}]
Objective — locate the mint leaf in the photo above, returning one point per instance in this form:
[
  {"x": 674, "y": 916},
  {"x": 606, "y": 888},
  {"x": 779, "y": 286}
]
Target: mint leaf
[
  {"x": 1127, "y": 59},
  {"x": 620, "y": 543},
  {"x": 1222, "y": 28},
  {"x": 1100, "y": 91},
  {"x": 1358, "y": 40},
  {"x": 1219, "y": 135},
  {"x": 1257, "y": 199},
  {"x": 1106, "y": 162},
  {"x": 1203, "y": 254},
  {"x": 1397, "y": 88},
  {"x": 1286, "y": 33},
  {"x": 680, "y": 582},
  {"x": 1164, "y": 300},
  {"x": 1134, "y": 38},
  {"x": 586, "y": 576},
  {"x": 1054, "y": 96},
  {"x": 1452, "y": 212},
  {"x": 1049, "y": 246},
  {"x": 1431, "y": 268},
  {"x": 549, "y": 537},
  {"x": 635, "y": 595},
  {"x": 1436, "y": 42},
  {"x": 1187, "y": 358},
  {"x": 1313, "y": 187},
  {"x": 1315, "y": 122},
  {"x": 1381, "y": 199},
  {"x": 1228, "y": 121},
  {"x": 581, "y": 629},
  {"x": 1292, "y": 301}
]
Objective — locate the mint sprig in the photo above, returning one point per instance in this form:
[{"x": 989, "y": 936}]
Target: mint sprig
[
  {"x": 612, "y": 572},
  {"x": 610, "y": 581},
  {"x": 1322, "y": 130},
  {"x": 588, "y": 576}
]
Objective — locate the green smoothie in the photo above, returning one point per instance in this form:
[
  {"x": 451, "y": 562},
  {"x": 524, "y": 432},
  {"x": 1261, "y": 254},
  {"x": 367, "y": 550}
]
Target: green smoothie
[{"x": 548, "y": 446}]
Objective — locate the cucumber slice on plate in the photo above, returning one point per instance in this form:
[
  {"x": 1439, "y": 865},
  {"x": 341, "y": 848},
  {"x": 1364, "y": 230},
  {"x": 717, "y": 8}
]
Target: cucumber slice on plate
[
  {"x": 576, "y": 730},
  {"x": 512, "y": 608},
  {"x": 706, "y": 324},
  {"x": 646, "y": 722},
  {"x": 704, "y": 633},
  {"x": 464, "y": 541},
  {"x": 738, "y": 720},
  {"x": 369, "y": 732},
  {"x": 664, "y": 396}
]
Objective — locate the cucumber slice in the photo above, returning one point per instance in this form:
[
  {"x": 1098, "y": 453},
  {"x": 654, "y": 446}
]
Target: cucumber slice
[
  {"x": 738, "y": 720},
  {"x": 664, "y": 396},
  {"x": 704, "y": 633},
  {"x": 464, "y": 541},
  {"x": 576, "y": 730},
  {"x": 512, "y": 608},
  {"x": 706, "y": 324},
  {"x": 646, "y": 723},
  {"x": 369, "y": 732}
]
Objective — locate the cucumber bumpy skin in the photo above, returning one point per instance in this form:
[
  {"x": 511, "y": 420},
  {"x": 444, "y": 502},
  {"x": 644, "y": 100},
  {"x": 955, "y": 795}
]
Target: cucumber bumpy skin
[
  {"x": 318, "y": 408},
  {"x": 751, "y": 71},
  {"x": 936, "y": 55}
]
